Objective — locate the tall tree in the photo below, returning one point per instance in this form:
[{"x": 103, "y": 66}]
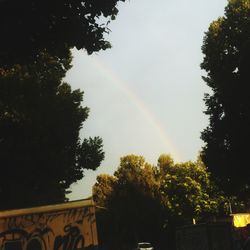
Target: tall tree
[
  {"x": 41, "y": 153},
  {"x": 30, "y": 26},
  {"x": 134, "y": 211},
  {"x": 226, "y": 50}
]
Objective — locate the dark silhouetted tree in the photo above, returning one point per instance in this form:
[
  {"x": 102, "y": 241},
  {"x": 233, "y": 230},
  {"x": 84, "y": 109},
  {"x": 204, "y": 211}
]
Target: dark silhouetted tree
[
  {"x": 226, "y": 50},
  {"x": 30, "y": 26},
  {"x": 41, "y": 153},
  {"x": 133, "y": 209}
]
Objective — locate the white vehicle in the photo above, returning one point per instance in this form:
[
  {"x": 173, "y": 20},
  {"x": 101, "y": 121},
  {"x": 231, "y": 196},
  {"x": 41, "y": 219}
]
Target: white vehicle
[{"x": 144, "y": 246}]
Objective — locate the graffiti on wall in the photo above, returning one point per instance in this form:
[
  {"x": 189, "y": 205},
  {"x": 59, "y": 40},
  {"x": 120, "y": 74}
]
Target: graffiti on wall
[{"x": 69, "y": 229}]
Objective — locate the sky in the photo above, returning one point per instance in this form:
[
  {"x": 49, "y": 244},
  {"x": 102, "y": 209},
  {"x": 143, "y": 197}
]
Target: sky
[{"x": 145, "y": 94}]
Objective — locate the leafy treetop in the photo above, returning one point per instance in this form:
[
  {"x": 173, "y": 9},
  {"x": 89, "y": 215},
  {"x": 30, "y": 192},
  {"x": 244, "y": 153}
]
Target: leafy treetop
[
  {"x": 188, "y": 191},
  {"x": 146, "y": 202}
]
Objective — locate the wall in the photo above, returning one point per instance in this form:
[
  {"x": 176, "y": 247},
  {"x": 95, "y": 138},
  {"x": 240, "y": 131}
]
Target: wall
[
  {"x": 68, "y": 229},
  {"x": 217, "y": 236}
]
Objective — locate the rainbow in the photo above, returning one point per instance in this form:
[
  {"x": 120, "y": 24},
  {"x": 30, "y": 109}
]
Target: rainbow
[{"x": 117, "y": 81}]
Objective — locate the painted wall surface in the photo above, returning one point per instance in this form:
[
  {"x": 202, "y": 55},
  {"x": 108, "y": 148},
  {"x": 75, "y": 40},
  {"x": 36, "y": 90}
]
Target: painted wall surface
[{"x": 68, "y": 229}]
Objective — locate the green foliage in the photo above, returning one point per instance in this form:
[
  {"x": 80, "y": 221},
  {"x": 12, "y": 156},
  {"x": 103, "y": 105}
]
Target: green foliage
[
  {"x": 165, "y": 161},
  {"x": 136, "y": 173},
  {"x": 226, "y": 50},
  {"x": 189, "y": 192},
  {"x": 103, "y": 189},
  {"x": 134, "y": 212},
  {"x": 41, "y": 153},
  {"x": 30, "y": 26},
  {"x": 144, "y": 202}
]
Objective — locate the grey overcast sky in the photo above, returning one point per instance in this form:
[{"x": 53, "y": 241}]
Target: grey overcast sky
[{"x": 145, "y": 94}]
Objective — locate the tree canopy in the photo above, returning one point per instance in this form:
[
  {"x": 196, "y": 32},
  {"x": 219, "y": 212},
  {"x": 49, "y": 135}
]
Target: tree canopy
[
  {"x": 133, "y": 210},
  {"x": 188, "y": 191},
  {"x": 226, "y": 50},
  {"x": 41, "y": 153},
  {"x": 30, "y": 26},
  {"x": 40, "y": 115},
  {"x": 145, "y": 202},
  {"x": 103, "y": 189}
]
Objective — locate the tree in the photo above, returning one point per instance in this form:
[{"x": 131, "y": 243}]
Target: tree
[
  {"x": 133, "y": 208},
  {"x": 41, "y": 153},
  {"x": 103, "y": 189},
  {"x": 27, "y": 27},
  {"x": 189, "y": 192},
  {"x": 165, "y": 161},
  {"x": 144, "y": 202},
  {"x": 226, "y": 50}
]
